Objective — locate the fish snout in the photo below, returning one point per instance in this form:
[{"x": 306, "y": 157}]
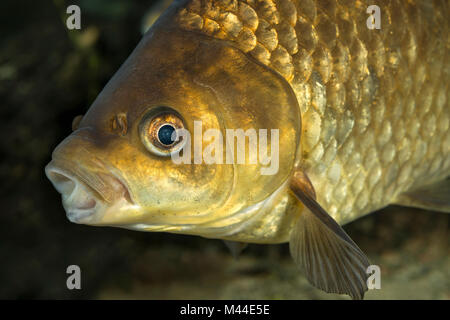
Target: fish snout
[{"x": 79, "y": 201}]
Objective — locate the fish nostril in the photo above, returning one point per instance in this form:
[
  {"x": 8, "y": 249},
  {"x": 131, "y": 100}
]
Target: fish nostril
[{"x": 63, "y": 183}]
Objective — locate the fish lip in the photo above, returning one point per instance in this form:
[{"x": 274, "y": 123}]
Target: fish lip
[
  {"x": 75, "y": 214},
  {"x": 108, "y": 178},
  {"x": 80, "y": 216}
]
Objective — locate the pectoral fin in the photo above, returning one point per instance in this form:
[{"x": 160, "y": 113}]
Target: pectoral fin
[
  {"x": 235, "y": 247},
  {"x": 432, "y": 197},
  {"x": 328, "y": 256}
]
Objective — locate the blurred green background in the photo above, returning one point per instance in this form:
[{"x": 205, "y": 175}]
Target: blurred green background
[{"x": 48, "y": 75}]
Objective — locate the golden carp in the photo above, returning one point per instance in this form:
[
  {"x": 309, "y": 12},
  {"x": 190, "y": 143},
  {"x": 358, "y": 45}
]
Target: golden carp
[{"x": 361, "y": 116}]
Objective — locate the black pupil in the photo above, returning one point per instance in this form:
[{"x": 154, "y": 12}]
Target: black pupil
[{"x": 165, "y": 134}]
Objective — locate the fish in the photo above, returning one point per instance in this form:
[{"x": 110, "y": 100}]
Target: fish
[{"x": 359, "y": 101}]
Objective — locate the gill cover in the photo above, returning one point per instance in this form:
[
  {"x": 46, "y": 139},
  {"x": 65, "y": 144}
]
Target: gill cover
[{"x": 250, "y": 97}]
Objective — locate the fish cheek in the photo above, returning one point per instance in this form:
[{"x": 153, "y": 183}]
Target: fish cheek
[{"x": 164, "y": 189}]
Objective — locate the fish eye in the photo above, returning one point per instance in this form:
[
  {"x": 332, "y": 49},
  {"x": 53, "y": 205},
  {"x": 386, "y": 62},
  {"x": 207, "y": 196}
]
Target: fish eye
[
  {"x": 165, "y": 134},
  {"x": 158, "y": 131}
]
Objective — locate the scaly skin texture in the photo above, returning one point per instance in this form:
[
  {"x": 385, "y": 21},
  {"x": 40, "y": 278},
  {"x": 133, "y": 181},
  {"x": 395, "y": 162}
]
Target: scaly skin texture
[{"x": 374, "y": 103}]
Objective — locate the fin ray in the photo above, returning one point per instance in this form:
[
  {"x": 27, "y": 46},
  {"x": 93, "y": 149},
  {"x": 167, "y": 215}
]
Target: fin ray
[
  {"x": 235, "y": 247},
  {"x": 336, "y": 268},
  {"x": 328, "y": 256}
]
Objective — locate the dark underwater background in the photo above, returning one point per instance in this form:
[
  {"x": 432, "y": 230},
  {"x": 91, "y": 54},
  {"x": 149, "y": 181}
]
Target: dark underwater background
[{"x": 48, "y": 75}]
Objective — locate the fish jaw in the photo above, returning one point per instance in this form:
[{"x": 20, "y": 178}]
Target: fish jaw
[
  {"x": 78, "y": 200},
  {"x": 89, "y": 188}
]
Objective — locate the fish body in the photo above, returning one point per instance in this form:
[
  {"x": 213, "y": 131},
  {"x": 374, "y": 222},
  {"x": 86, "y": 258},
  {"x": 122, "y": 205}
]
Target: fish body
[
  {"x": 374, "y": 103},
  {"x": 362, "y": 113}
]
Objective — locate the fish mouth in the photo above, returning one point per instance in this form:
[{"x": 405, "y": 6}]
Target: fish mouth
[{"x": 86, "y": 193}]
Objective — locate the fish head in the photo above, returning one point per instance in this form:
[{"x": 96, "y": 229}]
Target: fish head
[{"x": 117, "y": 167}]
